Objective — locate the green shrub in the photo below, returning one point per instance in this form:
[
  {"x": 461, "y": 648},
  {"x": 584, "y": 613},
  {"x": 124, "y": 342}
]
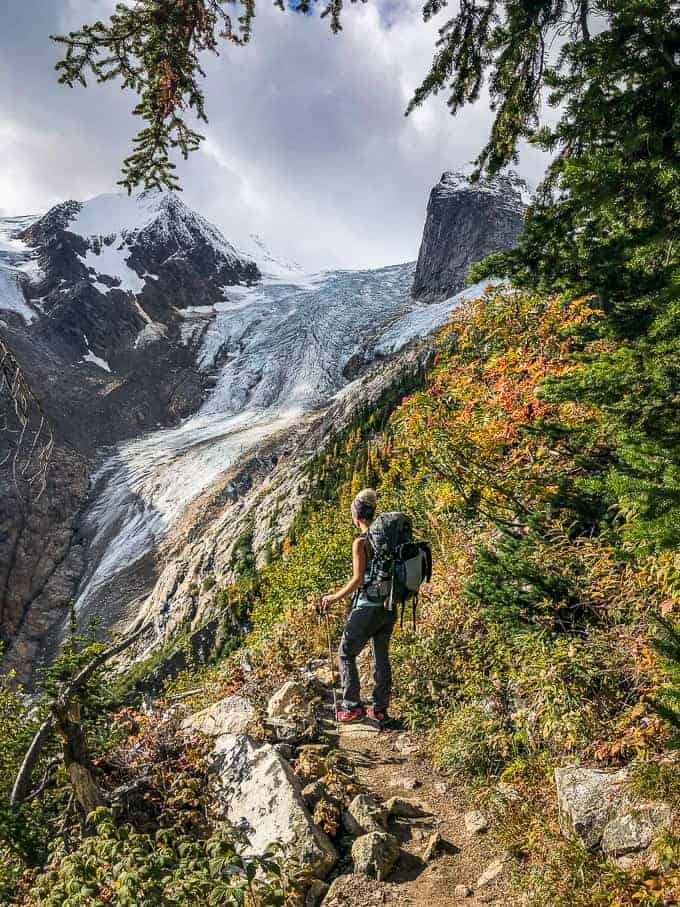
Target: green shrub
[{"x": 168, "y": 868}]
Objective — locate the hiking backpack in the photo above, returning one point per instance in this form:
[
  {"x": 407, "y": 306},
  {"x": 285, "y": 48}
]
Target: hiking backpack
[{"x": 399, "y": 565}]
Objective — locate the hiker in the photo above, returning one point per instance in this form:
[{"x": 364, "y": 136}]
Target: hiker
[{"x": 368, "y": 619}]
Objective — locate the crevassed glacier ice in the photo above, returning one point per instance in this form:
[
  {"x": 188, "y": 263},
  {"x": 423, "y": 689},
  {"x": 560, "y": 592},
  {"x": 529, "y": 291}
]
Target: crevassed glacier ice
[{"x": 276, "y": 350}]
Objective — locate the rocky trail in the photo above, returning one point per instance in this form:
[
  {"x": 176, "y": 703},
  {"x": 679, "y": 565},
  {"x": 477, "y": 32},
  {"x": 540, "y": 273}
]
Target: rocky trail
[
  {"x": 444, "y": 856},
  {"x": 359, "y": 806}
]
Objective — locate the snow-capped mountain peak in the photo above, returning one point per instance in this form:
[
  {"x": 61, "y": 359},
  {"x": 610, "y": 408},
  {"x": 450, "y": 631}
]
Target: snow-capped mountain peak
[{"x": 151, "y": 216}]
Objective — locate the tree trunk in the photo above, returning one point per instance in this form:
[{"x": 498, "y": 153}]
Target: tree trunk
[{"x": 77, "y": 759}]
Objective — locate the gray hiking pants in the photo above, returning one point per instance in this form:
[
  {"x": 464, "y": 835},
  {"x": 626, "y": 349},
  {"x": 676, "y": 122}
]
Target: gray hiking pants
[{"x": 364, "y": 624}]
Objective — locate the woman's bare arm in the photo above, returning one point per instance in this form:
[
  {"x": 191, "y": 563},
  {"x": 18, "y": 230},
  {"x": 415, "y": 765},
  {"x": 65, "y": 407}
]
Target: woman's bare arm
[{"x": 358, "y": 570}]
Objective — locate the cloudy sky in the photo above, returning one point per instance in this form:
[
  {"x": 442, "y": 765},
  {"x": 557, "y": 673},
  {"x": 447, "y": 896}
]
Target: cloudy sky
[{"x": 307, "y": 142}]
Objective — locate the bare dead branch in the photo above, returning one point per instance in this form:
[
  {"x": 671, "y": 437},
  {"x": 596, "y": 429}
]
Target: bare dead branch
[
  {"x": 26, "y": 438},
  {"x": 59, "y": 708}
]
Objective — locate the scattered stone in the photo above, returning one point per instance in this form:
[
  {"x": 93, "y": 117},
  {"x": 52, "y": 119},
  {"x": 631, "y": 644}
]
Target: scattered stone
[
  {"x": 233, "y": 715},
  {"x": 406, "y": 745},
  {"x": 261, "y": 795},
  {"x": 441, "y": 787},
  {"x": 433, "y": 844},
  {"x": 364, "y": 815},
  {"x": 475, "y": 822},
  {"x": 375, "y": 854},
  {"x": 462, "y": 891},
  {"x": 405, "y": 809},
  {"x": 291, "y": 700},
  {"x": 491, "y": 873},
  {"x": 508, "y": 793},
  {"x": 316, "y": 893},
  {"x": 636, "y": 830}
]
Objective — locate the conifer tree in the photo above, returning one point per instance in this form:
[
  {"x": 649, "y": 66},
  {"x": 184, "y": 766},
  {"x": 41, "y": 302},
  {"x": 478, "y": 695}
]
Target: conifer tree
[{"x": 667, "y": 704}]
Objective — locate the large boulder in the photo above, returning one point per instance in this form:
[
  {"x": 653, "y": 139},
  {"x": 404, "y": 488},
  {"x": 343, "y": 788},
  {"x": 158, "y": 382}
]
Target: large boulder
[
  {"x": 588, "y": 800},
  {"x": 261, "y": 795},
  {"x": 258, "y": 791},
  {"x": 233, "y": 715},
  {"x": 598, "y": 808}
]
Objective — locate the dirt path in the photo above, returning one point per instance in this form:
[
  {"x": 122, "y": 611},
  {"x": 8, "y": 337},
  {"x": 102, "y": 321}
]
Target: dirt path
[{"x": 387, "y": 764}]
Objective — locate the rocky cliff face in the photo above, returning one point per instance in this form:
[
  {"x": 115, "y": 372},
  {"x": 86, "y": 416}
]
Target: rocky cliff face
[
  {"x": 92, "y": 297},
  {"x": 465, "y": 222}
]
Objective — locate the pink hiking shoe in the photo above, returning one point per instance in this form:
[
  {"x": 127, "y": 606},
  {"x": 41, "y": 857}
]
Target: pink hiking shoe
[
  {"x": 376, "y": 715},
  {"x": 347, "y": 715}
]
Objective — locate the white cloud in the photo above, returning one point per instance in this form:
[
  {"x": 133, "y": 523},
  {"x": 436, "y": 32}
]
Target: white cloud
[{"x": 307, "y": 143}]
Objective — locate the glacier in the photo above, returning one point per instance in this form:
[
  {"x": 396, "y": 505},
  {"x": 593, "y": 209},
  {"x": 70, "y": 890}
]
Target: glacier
[
  {"x": 273, "y": 349},
  {"x": 278, "y": 350}
]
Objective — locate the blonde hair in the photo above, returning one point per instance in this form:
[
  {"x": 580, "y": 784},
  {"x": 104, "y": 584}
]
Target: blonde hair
[{"x": 364, "y": 505}]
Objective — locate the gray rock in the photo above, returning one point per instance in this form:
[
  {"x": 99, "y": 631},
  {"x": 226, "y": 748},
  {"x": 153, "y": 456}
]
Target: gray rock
[
  {"x": 291, "y": 700},
  {"x": 597, "y": 807},
  {"x": 464, "y": 223},
  {"x": 588, "y": 800},
  {"x": 363, "y": 815},
  {"x": 636, "y": 829},
  {"x": 261, "y": 795},
  {"x": 233, "y": 715},
  {"x": 491, "y": 873},
  {"x": 475, "y": 822},
  {"x": 294, "y": 730},
  {"x": 285, "y": 750},
  {"x": 462, "y": 891},
  {"x": 433, "y": 844},
  {"x": 375, "y": 854},
  {"x": 405, "y": 809}
]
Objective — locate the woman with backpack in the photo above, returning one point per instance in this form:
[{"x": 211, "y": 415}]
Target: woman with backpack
[{"x": 368, "y": 620}]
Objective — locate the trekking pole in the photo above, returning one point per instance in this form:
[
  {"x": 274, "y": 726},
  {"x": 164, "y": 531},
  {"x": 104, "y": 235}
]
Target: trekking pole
[
  {"x": 330, "y": 662},
  {"x": 323, "y": 615}
]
